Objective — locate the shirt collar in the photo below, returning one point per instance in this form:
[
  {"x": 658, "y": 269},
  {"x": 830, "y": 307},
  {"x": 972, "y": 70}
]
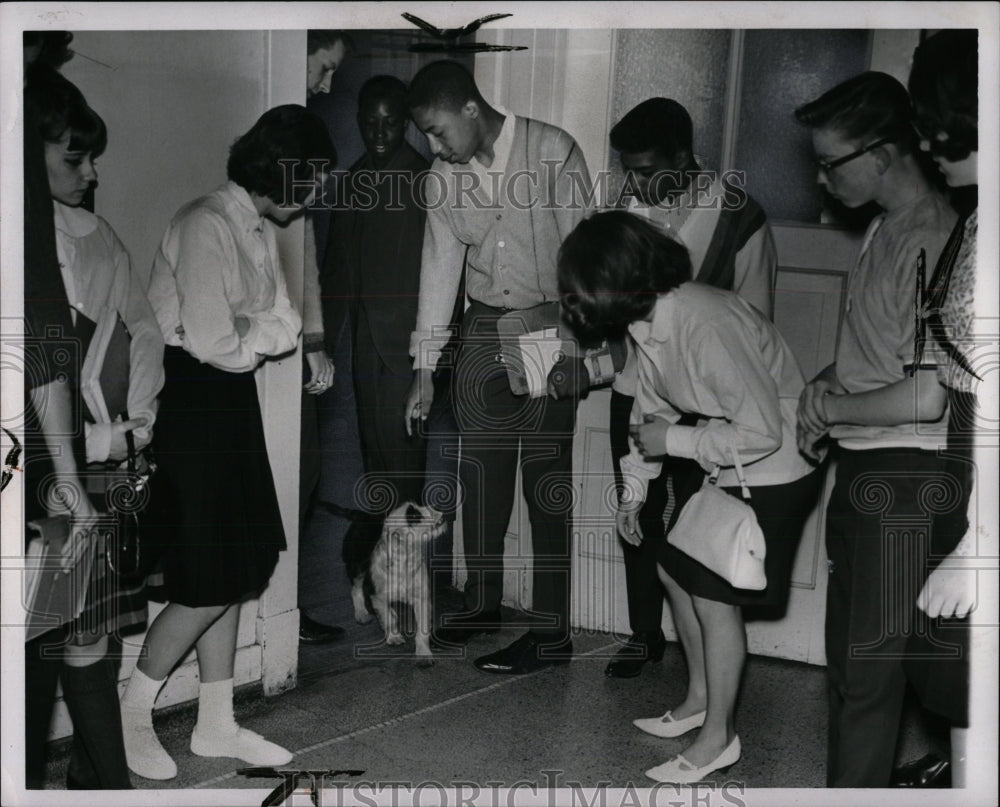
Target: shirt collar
[
  {"x": 76, "y": 222},
  {"x": 659, "y": 329},
  {"x": 238, "y": 200},
  {"x": 502, "y": 145}
]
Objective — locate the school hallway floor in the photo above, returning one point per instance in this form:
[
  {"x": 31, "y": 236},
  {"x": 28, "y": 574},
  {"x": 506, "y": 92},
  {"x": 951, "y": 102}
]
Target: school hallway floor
[{"x": 361, "y": 705}]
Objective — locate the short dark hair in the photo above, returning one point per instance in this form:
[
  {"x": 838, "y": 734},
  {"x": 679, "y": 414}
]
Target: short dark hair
[
  {"x": 612, "y": 267},
  {"x": 60, "y": 107},
  {"x": 657, "y": 124},
  {"x": 320, "y": 38},
  {"x": 443, "y": 85},
  {"x": 871, "y": 106},
  {"x": 284, "y": 133},
  {"x": 944, "y": 86},
  {"x": 377, "y": 88}
]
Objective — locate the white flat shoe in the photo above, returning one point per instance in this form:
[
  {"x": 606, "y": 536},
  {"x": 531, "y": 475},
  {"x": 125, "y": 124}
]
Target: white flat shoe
[
  {"x": 667, "y": 726},
  {"x": 243, "y": 744},
  {"x": 679, "y": 771}
]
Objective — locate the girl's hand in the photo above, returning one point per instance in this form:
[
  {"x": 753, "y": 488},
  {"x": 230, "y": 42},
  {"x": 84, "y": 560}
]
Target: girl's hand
[
  {"x": 83, "y": 520},
  {"x": 651, "y": 437},
  {"x": 627, "y": 523},
  {"x": 119, "y": 448}
]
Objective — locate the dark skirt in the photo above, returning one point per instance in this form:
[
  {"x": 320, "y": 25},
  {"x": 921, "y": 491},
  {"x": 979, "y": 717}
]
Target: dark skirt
[
  {"x": 781, "y": 511},
  {"x": 215, "y": 512}
]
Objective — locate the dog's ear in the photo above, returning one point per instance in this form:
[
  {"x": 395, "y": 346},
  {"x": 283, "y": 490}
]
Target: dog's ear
[{"x": 413, "y": 516}]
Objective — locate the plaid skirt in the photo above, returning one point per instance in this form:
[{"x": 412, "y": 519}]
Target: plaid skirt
[{"x": 114, "y": 606}]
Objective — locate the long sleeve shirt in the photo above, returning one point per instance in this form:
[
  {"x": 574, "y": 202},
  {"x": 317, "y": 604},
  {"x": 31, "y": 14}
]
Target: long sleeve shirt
[
  {"x": 704, "y": 222},
  {"x": 709, "y": 353},
  {"x": 511, "y": 218},
  {"x": 98, "y": 277},
  {"x": 218, "y": 261}
]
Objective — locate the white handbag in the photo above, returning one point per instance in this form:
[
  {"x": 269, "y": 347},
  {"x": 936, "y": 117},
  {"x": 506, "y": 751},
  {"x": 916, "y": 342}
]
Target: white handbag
[{"x": 721, "y": 533}]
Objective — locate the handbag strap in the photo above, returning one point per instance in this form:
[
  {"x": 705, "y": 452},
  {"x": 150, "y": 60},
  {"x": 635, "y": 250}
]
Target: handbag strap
[
  {"x": 739, "y": 473},
  {"x": 713, "y": 478},
  {"x": 130, "y": 442}
]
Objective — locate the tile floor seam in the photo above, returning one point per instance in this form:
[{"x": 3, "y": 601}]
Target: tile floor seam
[{"x": 507, "y": 681}]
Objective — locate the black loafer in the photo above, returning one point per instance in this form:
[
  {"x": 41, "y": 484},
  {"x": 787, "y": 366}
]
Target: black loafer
[
  {"x": 525, "y": 655},
  {"x": 457, "y": 629},
  {"x": 313, "y": 632},
  {"x": 928, "y": 771},
  {"x": 640, "y": 648}
]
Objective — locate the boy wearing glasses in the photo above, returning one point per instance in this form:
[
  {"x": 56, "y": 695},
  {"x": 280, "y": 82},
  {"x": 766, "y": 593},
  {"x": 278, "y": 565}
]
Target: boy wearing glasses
[{"x": 888, "y": 473}]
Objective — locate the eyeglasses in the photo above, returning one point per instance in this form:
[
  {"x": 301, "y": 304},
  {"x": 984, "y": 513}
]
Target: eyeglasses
[{"x": 829, "y": 166}]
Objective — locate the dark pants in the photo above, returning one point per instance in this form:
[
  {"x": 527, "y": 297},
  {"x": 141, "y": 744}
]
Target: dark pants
[
  {"x": 642, "y": 584},
  {"x": 878, "y": 526},
  {"x": 496, "y": 427},
  {"x": 394, "y": 461}
]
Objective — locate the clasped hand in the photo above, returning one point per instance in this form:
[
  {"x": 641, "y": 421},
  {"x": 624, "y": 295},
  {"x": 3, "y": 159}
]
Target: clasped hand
[
  {"x": 651, "y": 437},
  {"x": 812, "y": 422}
]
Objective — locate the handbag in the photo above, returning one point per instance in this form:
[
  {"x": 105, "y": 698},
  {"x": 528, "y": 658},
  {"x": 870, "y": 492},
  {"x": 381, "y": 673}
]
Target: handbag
[
  {"x": 721, "y": 533},
  {"x": 128, "y": 495}
]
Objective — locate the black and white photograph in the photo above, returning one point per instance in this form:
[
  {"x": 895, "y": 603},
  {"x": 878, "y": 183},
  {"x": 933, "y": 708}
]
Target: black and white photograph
[{"x": 588, "y": 404}]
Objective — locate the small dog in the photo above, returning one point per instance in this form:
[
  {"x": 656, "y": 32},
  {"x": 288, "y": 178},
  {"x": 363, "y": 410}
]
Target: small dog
[{"x": 387, "y": 563}]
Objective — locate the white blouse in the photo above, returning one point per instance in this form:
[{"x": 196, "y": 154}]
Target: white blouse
[
  {"x": 218, "y": 261},
  {"x": 709, "y": 352}
]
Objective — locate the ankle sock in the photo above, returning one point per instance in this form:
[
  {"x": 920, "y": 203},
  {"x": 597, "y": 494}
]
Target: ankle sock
[
  {"x": 215, "y": 709},
  {"x": 141, "y": 691}
]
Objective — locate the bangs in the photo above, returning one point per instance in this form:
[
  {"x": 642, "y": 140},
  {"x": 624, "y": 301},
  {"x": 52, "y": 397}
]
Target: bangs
[{"x": 87, "y": 132}]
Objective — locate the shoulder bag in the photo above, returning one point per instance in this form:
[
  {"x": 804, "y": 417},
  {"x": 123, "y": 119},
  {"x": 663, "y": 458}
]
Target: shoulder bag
[{"x": 721, "y": 533}]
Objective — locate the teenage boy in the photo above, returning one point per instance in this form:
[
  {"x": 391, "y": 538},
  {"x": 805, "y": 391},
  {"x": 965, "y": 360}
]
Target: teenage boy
[
  {"x": 730, "y": 244},
  {"x": 508, "y": 203},
  {"x": 879, "y": 513}
]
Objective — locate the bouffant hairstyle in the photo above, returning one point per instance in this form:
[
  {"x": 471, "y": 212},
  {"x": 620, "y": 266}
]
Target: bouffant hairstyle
[
  {"x": 60, "y": 107},
  {"x": 612, "y": 267},
  {"x": 869, "y": 107},
  {"x": 944, "y": 86},
  {"x": 285, "y": 149},
  {"x": 443, "y": 85}
]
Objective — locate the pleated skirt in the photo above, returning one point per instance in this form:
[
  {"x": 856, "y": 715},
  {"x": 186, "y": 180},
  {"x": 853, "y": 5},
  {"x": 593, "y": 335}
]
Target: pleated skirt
[{"x": 215, "y": 512}]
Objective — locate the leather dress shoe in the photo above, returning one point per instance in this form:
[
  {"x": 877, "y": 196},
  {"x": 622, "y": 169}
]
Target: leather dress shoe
[
  {"x": 928, "y": 771},
  {"x": 640, "y": 648},
  {"x": 525, "y": 655},
  {"x": 457, "y": 629},
  {"x": 313, "y": 632}
]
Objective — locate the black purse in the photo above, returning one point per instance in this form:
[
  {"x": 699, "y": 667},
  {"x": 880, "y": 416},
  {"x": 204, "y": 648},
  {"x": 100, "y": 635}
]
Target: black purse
[{"x": 129, "y": 557}]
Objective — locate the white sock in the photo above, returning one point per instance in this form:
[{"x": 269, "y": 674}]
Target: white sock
[
  {"x": 141, "y": 691},
  {"x": 215, "y": 708}
]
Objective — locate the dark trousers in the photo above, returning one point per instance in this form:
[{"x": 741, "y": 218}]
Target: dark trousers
[
  {"x": 878, "y": 526},
  {"x": 642, "y": 584},
  {"x": 500, "y": 433},
  {"x": 394, "y": 461}
]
